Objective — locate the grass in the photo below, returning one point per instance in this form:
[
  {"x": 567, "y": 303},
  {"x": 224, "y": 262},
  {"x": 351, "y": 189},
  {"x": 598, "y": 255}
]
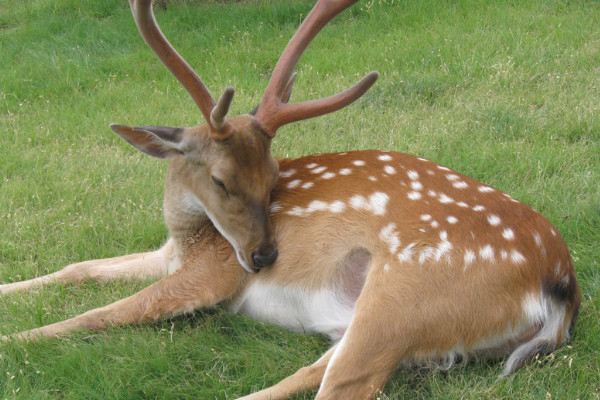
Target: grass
[{"x": 507, "y": 92}]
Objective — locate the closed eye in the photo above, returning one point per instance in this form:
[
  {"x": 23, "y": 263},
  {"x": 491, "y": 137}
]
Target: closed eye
[{"x": 219, "y": 184}]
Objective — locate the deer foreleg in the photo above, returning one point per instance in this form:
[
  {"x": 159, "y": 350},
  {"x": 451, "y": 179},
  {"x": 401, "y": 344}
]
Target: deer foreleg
[
  {"x": 134, "y": 266},
  {"x": 204, "y": 283}
]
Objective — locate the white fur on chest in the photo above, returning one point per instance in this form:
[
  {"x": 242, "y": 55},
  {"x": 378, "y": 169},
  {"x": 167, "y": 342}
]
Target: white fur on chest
[{"x": 300, "y": 310}]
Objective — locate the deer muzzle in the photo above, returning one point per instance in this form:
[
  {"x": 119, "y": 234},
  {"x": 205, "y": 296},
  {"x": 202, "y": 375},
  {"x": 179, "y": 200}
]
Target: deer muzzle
[{"x": 265, "y": 256}]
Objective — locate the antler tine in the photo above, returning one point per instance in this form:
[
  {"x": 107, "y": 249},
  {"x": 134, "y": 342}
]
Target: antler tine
[
  {"x": 272, "y": 111},
  {"x": 148, "y": 27},
  {"x": 288, "y": 113},
  {"x": 217, "y": 116}
]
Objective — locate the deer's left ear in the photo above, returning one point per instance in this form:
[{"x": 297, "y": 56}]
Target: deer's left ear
[{"x": 158, "y": 141}]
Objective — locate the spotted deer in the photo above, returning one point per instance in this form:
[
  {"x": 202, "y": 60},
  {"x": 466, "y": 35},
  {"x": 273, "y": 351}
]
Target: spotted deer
[{"x": 397, "y": 259}]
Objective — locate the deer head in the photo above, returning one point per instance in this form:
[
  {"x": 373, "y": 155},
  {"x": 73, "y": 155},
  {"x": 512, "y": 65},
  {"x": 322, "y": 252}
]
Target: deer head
[{"x": 225, "y": 164}]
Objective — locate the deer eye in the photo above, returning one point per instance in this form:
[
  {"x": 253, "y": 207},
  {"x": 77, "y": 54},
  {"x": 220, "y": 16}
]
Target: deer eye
[{"x": 219, "y": 184}]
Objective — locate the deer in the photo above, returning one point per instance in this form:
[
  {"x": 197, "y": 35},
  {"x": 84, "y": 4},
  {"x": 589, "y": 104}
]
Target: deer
[{"x": 398, "y": 260}]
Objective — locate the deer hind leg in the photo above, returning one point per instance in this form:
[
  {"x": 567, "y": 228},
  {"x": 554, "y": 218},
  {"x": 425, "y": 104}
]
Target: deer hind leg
[
  {"x": 204, "y": 280},
  {"x": 382, "y": 333},
  {"x": 146, "y": 265},
  {"x": 360, "y": 363}
]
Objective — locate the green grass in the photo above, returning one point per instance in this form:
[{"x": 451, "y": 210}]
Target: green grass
[{"x": 507, "y": 92}]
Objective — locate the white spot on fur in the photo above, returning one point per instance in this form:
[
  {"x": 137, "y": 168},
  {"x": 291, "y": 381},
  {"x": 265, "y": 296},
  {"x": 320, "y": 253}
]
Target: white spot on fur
[
  {"x": 377, "y": 203},
  {"x": 328, "y": 175},
  {"x": 511, "y": 198},
  {"x": 389, "y": 235},
  {"x": 444, "y": 199},
  {"x": 485, "y": 189},
  {"x": 318, "y": 205},
  {"x": 372, "y": 178},
  {"x": 494, "y": 220},
  {"x": 406, "y": 254},
  {"x": 384, "y": 157},
  {"x": 414, "y": 175},
  {"x": 460, "y": 185},
  {"x": 432, "y": 193},
  {"x": 425, "y": 254},
  {"x": 414, "y": 195},
  {"x": 345, "y": 171},
  {"x": 288, "y": 173},
  {"x": 452, "y": 177},
  {"x": 337, "y": 207},
  {"x": 416, "y": 185},
  {"x": 462, "y": 204},
  {"x": 359, "y": 163},
  {"x": 478, "y": 208},
  {"x": 297, "y": 211},
  {"x": 434, "y": 224},
  {"x": 312, "y": 165},
  {"x": 425, "y": 217},
  {"x": 307, "y": 185},
  {"x": 452, "y": 219},
  {"x": 389, "y": 170},
  {"x": 443, "y": 168},
  {"x": 487, "y": 253},
  {"x": 293, "y": 184},
  {"x": 444, "y": 247},
  {"x": 422, "y": 159},
  {"x": 275, "y": 207},
  {"x": 558, "y": 268},
  {"x": 469, "y": 257},
  {"x": 358, "y": 202},
  {"x": 318, "y": 170},
  {"x": 553, "y": 232},
  {"x": 508, "y": 234},
  {"x": 516, "y": 257},
  {"x": 386, "y": 267},
  {"x": 538, "y": 239},
  {"x": 504, "y": 254}
]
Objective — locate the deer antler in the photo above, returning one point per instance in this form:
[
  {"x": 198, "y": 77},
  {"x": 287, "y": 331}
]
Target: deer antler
[
  {"x": 146, "y": 23},
  {"x": 273, "y": 111}
]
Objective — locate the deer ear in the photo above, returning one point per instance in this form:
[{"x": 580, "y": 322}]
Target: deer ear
[{"x": 158, "y": 141}]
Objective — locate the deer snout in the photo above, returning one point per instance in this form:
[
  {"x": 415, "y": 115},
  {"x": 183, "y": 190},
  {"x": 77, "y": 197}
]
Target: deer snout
[{"x": 265, "y": 256}]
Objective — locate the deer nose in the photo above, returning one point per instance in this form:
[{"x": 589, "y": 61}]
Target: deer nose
[{"x": 265, "y": 257}]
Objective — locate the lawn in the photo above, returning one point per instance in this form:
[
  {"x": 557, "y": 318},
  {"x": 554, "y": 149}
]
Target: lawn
[{"x": 506, "y": 92}]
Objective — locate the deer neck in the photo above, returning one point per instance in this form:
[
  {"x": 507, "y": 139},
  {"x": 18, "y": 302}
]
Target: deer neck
[{"x": 184, "y": 213}]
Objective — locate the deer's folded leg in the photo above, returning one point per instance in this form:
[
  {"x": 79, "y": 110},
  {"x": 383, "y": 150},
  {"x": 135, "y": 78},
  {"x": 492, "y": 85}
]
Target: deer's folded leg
[
  {"x": 152, "y": 264},
  {"x": 205, "y": 279}
]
